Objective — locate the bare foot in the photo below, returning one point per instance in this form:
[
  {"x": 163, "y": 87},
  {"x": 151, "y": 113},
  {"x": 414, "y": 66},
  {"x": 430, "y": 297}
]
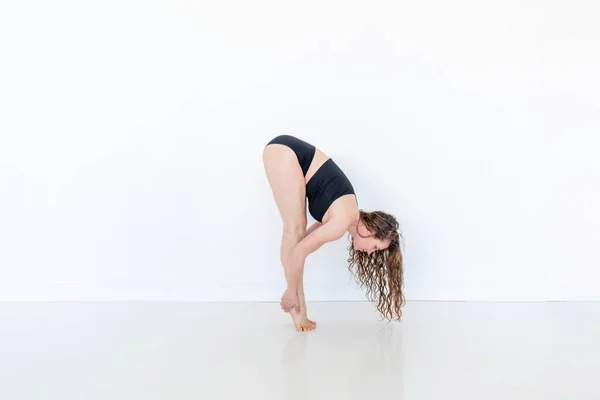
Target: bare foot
[{"x": 301, "y": 321}]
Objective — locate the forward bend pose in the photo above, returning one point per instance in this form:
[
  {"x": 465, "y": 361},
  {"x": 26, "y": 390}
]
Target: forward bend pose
[{"x": 297, "y": 171}]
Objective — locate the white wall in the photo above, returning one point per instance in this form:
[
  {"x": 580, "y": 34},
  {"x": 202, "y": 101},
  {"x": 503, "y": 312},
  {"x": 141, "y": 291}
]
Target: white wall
[{"x": 131, "y": 137}]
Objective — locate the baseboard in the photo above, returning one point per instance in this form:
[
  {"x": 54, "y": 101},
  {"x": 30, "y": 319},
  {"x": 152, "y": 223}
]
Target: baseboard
[{"x": 77, "y": 291}]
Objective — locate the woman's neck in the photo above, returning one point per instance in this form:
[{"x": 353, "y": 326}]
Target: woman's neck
[{"x": 353, "y": 226}]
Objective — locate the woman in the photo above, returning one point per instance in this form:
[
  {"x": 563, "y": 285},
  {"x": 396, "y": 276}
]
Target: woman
[{"x": 297, "y": 171}]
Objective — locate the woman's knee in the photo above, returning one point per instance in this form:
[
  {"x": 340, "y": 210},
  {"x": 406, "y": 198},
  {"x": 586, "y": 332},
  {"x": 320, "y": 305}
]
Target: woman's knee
[{"x": 295, "y": 227}]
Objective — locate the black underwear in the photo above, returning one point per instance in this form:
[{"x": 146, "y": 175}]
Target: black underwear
[
  {"x": 304, "y": 151},
  {"x": 327, "y": 184}
]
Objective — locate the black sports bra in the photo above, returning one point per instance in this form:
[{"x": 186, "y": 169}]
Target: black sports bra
[{"x": 327, "y": 185}]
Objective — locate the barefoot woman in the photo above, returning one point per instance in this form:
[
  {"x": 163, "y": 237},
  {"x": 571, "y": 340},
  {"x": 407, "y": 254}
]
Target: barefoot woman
[{"x": 297, "y": 171}]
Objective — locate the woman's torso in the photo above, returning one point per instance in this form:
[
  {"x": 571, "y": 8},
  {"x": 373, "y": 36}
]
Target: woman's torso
[{"x": 344, "y": 206}]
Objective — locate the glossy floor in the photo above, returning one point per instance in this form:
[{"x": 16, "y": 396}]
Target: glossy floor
[{"x": 251, "y": 351}]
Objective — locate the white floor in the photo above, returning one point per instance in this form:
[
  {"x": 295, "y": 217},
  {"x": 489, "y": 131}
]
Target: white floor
[{"x": 466, "y": 351}]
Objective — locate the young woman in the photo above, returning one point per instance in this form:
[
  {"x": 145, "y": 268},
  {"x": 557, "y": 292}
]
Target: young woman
[{"x": 297, "y": 171}]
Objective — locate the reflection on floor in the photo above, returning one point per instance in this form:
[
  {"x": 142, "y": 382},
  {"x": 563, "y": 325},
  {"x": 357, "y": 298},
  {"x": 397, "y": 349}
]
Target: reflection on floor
[{"x": 251, "y": 351}]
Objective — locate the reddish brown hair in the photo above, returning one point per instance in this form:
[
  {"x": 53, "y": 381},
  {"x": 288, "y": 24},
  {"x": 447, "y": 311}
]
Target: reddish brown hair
[{"x": 381, "y": 273}]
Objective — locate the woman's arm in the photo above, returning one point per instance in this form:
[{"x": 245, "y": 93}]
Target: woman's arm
[
  {"x": 320, "y": 235},
  {"x": 312, "y": 229}
]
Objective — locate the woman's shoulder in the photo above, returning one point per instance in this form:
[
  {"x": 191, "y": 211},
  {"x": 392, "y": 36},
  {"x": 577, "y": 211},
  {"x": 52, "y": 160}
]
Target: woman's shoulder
[{"x": 343, "y": 211}]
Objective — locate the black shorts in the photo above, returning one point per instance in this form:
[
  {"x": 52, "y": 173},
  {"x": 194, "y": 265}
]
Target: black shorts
[
  {"x": 327, "y": 184},
  {"x": 304, "y": 151}
]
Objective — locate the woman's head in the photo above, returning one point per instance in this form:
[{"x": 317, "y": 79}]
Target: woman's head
[
  {"x": 372, "y": 232},
  {"x": 376, "y": 261}
]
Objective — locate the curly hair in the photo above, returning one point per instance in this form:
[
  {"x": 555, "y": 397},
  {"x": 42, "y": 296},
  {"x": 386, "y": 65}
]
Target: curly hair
[{"x": 381, "y": 272}]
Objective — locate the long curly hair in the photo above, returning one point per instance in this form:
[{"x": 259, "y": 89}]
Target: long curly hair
[{"x": 381, "y": 273}]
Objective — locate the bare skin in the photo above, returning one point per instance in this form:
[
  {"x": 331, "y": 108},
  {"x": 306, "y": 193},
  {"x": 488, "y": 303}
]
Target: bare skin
[{"x": 289, "y": 191}]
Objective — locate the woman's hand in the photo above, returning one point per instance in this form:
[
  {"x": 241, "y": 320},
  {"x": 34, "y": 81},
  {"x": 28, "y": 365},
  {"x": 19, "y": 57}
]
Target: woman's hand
[{"x": 289, "y": 301}]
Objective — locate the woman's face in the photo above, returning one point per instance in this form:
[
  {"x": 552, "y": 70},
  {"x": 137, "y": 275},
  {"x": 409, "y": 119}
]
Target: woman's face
[{"x": 368, "y": 244}]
